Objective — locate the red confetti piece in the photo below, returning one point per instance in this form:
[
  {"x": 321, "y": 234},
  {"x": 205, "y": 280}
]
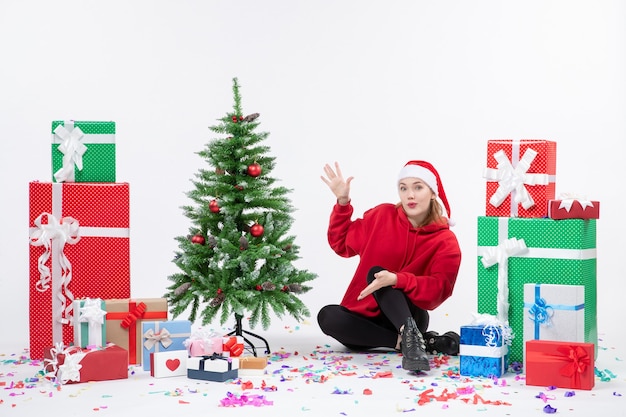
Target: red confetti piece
[{"x": 367, "y": 391}]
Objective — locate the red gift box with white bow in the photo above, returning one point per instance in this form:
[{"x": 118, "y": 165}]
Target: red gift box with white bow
[
  {"x": 79, "y": 248},
  {"x": 560, "y": 364},
  {"x": 573, "y": 207},
  {"x": 520, "y": 176},
  {"x": 73, "y": 364}
]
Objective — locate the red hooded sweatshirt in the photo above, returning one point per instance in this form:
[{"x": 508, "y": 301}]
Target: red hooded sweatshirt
[{"x": 425, "y": 259}]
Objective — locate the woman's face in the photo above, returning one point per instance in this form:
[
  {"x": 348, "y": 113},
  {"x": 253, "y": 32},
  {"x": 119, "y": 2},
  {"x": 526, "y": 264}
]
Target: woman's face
[{"x": 415, "y": 197}]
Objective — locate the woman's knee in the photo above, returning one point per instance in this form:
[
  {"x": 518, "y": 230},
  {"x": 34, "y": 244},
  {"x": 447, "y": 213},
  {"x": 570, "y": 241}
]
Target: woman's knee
[
  {"x": 325, "y": 316},
  {"x": 372, "y": 271}
]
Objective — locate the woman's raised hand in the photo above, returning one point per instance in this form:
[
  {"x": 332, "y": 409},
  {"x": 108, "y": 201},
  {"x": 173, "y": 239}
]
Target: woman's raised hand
[{"x": 337, "y": 184}]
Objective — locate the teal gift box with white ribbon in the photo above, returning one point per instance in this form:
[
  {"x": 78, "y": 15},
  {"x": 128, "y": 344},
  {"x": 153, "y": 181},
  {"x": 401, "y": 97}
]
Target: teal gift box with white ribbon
[
  {"x": 513, "y": 252},
  {"x": 83, "y": 151},
  {"x": 554, "y": 312},
  {"x": 89, "y": 322},
  {"x": 163, "y": 336}
]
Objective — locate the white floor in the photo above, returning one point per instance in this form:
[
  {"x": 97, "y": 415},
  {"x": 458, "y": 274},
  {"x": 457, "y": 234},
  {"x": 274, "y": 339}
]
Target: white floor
[{"x": 311, "y": 375}]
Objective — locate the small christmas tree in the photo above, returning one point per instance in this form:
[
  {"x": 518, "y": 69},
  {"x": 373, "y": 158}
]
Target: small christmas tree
[{"x": 238, "y": 256}]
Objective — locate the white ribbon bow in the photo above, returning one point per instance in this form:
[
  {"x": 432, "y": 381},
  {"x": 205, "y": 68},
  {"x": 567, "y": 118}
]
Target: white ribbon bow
[
  {"x": 91, "y": 312},
  {"x": 62, "y": 232},
  {"x": 567, "y": 199},
  {"x": 500, "y": 255},
  {"x": 513, "y": 179},
  {"x": 72, "y": 148},
  {"x": 70, "y": 369},
  {"x": 152, "y": 338}
]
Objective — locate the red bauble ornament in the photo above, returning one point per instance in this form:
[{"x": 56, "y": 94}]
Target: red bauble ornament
[
  {"x": 254, "y": 170},
  {"x": 258, "y": 288},
  {"x": 214, "y": 207},
  {"x": 256, "y": 230},
  {"x": 235, "y": 119},
  {"x": 198, "y": 239}
]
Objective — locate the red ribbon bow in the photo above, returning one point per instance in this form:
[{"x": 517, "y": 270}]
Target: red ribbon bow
[
  {"x": 577, "y": 361},
  {"x": 134, "y": 315},
  {"x": 231, "y": 345}
]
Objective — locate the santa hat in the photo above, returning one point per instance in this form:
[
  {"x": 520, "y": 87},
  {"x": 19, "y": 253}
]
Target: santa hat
[{"x": 427, "y": 173}]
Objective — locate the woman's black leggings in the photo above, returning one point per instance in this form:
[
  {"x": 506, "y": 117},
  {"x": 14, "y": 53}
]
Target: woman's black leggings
[{"x": 358, "y": 332}]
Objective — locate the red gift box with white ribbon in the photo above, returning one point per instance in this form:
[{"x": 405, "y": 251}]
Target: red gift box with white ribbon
[
  {"x": 573, "y": 206},
  {"x": 73, "y": 364},
  {"x": 520, "y": 176},
  {"x": 79, "y": 248}
]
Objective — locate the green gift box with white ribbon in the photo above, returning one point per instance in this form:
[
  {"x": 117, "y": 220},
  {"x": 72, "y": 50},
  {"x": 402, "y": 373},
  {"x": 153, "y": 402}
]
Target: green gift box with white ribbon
[
  {"x": 517, "y": 251},
  {"x": 83, "y": 151}
]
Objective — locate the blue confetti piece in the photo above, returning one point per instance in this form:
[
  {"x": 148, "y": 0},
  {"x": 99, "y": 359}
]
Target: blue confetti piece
[
  {"x": 569, "y": 393},
  {"x": 549, "y": 409}
]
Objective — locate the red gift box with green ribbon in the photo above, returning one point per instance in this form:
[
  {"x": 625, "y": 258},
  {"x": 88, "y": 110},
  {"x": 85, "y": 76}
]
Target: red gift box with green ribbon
[
  {"x": 124, "y": 320},
  {"x": 79, "y": 248},
  {"x": 560, "y": 364}
]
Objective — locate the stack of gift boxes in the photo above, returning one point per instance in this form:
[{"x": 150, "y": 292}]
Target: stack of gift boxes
[
  {"x": 536, "y": 273},
  {"x": 82, "y": 320}
]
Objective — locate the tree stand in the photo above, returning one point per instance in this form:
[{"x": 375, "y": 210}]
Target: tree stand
[{"x": 239, "y": 331}]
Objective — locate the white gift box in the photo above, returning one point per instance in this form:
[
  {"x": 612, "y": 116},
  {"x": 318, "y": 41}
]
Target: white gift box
[
  {"x": 168, "y": 363},
  {"x": 554, "y": 312}
]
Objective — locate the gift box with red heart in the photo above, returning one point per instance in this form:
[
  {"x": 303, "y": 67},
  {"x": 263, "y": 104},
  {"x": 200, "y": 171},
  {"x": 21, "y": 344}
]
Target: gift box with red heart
[{"x": 168, "y": 363}]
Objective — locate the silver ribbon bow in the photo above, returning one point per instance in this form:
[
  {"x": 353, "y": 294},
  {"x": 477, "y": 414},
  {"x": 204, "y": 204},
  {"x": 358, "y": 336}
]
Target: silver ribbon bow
[{"x": 152, "y": 338}]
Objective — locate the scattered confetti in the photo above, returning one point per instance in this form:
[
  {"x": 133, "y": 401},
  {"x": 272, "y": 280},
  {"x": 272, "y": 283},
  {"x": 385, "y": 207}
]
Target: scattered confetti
[{"x": 548, "y": 409}]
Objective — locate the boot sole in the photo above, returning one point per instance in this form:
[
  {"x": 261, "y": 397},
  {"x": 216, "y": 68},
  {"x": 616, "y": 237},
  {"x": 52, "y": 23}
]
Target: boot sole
[{"x": 415, "y": 364}]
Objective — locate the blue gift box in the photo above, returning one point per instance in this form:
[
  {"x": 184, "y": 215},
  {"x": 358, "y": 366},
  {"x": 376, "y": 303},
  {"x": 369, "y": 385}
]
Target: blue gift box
[
  {"x": 482, "y": 351},
  {"x": 163, "y": 336},
  {"x": 215, "y": 368}
]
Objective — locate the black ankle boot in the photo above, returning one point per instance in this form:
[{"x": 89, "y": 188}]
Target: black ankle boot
[
  {"x": 447, "y": 343},
  {"x": 414, "y": 356}
]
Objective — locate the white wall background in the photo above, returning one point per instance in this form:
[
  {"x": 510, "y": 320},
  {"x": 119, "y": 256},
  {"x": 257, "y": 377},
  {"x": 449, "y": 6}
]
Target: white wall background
[{"x": 369, "y": 84}]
